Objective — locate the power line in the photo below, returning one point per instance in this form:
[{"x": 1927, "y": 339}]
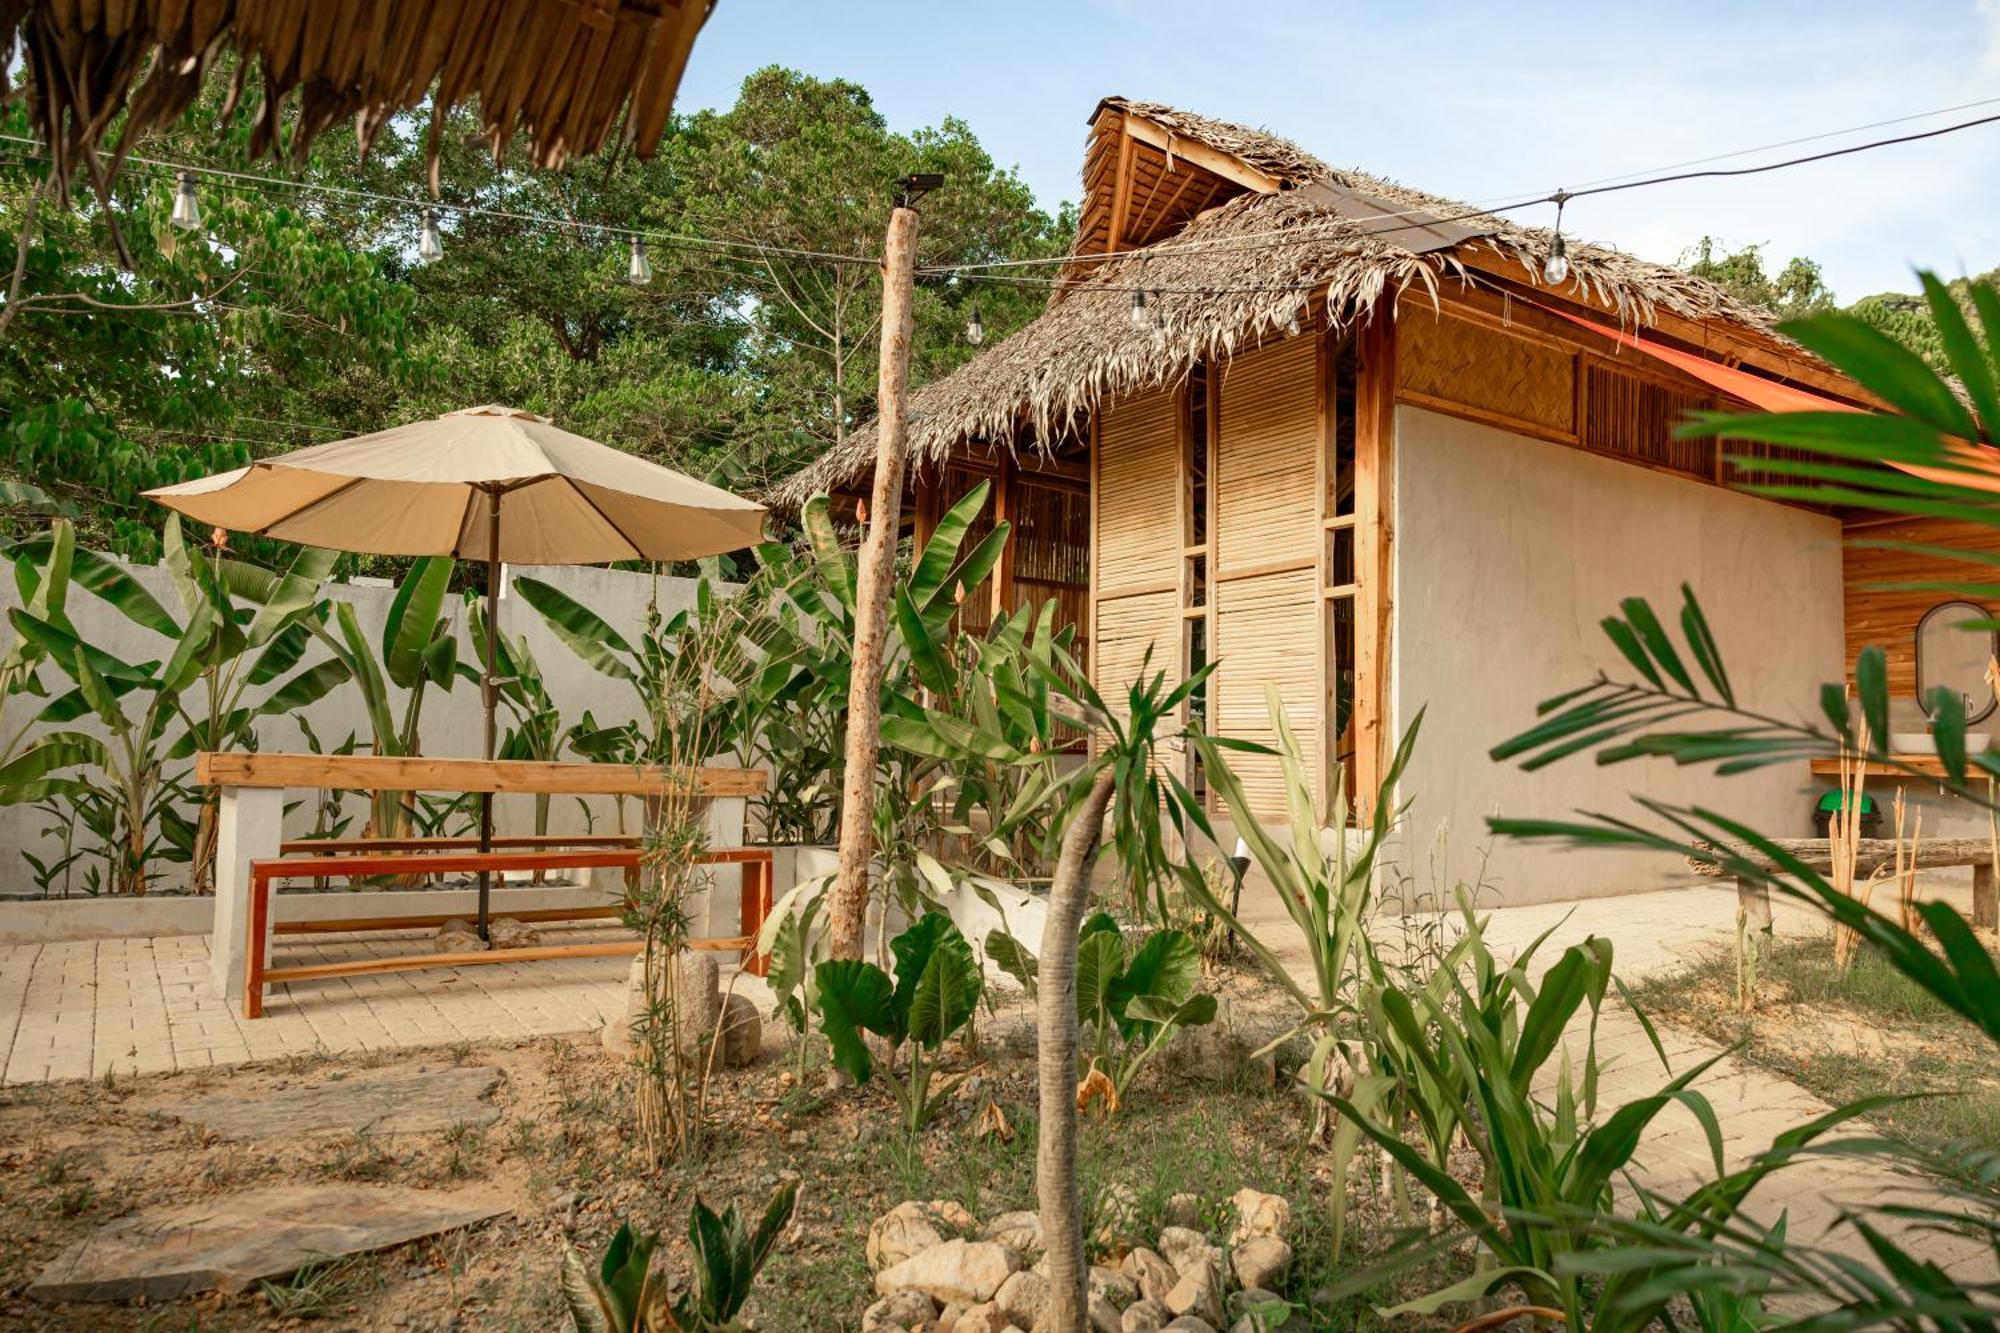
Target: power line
[{"x": 1279, "y": 237}]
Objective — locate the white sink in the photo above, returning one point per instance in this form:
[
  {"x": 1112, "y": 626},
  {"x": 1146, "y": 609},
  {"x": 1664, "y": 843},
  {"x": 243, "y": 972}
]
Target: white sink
[{"x": 1921, "y": 742}]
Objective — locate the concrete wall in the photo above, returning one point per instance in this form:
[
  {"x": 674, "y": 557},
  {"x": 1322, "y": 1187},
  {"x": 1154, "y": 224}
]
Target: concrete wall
[
  {"x": 451, "y": 724},
  {"x": 1509, "y": 551}
]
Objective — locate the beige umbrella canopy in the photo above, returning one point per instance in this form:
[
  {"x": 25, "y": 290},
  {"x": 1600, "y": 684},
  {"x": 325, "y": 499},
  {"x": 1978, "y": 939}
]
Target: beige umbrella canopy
[
  {"x": 487, "y": 483},
  {"x": 440, "y": 487}
]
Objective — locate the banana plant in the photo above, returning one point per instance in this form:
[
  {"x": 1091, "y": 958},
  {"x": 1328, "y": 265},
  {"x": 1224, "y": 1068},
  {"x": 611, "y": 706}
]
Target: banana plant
[
  {"x": 625, "y": 1295},
  {"x": 263, "y": 625},
  {"x": 535, "y": 730},
  {"x": 418, "y": 650},
  {"x": 933, "y": 994},
  {"x": 792, "y": 940},
  {"x": 1133, "y": 1000},
  {"x": 28, "y": 768}
]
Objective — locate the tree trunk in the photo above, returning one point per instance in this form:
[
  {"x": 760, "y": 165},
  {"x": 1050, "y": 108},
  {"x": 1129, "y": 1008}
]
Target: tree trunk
[
  {"x": 1055, "y": 1059},
  {"x": 848, "y": 919}
]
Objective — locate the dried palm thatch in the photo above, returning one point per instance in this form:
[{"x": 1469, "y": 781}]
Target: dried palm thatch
[
  {"x": 1238, "y": 273},
  {"x": 562, "y": 72}
]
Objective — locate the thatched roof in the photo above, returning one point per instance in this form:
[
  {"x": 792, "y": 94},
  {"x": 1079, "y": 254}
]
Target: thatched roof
[
  {"x": 562, "y": 72},
  {"x": 1238, "y": 272}
]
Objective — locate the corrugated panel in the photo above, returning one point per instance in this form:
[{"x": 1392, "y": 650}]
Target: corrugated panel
[
  {"x": 1126, "y": 627},
  {"x": 1138, "y": 493},
  {"x": 1267, "y": 513},
  {"x": 1266, "y": 462},
  {"x": 1266, "y": 632}
]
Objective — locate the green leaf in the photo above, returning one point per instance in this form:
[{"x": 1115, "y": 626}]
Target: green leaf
[
  {"x": 413, "y": 619},
  {"x": 1100, "y": 957},
  {"x": 1885, "y": 368},
  {"x": 930, "y": 580},
  {"x": 854, "y": 997},
  {"x": 946, "y": 992},
  {"x": 835, "y": 564},
  {"x": 581, "y": 630},
  {"x": 1871, "y": 683},
  {"x": 1165, "y": 970},
  {"x": 1012, "y": 957}
]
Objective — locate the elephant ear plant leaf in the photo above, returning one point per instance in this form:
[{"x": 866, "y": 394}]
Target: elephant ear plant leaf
[{"x": 934, "y": 993}]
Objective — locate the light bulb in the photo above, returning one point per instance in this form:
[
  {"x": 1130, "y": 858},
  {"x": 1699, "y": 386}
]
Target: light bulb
[
  {"x": 640, "y": 271},
  {"x": 1292, "y": 325},
  {"x": 975, "y": 328},
  {"x": 430, "y": 248},
  {"x": 1141, "y": 317},
  {"x": 1556, "y": 267},
  {"x": 187, "y": 209}
]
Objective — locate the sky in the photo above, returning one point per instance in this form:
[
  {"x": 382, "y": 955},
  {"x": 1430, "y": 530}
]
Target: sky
[{"x": 1476, "y": 102}]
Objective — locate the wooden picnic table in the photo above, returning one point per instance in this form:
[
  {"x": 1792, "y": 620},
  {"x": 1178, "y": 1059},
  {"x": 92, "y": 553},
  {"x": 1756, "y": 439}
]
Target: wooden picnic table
[{"x": 1871, "y": 855}]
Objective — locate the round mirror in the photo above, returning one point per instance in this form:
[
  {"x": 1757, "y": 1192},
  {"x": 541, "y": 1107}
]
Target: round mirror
[{"x": 1952, "y": 656}]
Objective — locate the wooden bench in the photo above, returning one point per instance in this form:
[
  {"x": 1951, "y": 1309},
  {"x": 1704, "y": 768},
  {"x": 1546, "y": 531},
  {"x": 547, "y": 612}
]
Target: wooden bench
[
  {"x": 259, "y": 975},
  {"x": 1871, "y": 855},
  {"x": 251, "y": 807}
]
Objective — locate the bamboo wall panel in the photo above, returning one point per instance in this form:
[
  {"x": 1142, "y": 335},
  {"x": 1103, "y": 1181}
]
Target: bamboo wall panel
[
  {"x": 1457, "y": 361},
  {"x": 1266, "y": 632},
  {"x": 1886, "y": 618},
  {"x": 1266, "y": 457},
  {"x": 1138, "y": 500},
  {"x": 1126, "y": 628}
]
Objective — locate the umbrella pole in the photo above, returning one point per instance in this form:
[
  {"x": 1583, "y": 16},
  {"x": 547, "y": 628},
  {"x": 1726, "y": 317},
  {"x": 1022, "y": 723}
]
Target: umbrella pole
[{"x": 487, "y": 695}]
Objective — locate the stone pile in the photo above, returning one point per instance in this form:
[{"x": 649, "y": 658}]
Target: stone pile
[
  {"x": 938, "y": 1270},
  {"x": 701, "y": 1011}
]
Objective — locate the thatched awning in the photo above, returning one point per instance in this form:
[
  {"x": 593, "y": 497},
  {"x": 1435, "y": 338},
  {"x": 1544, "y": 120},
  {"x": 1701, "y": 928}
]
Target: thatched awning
[
  {"x": 1237, "y": 273},
  {"x": 562, "y": 72}
]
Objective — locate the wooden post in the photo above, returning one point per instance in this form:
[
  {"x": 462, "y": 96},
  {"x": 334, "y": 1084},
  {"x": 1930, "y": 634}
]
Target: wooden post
[
  {"x": 1374, "y": 536},
  {"x": 249, "y": 825},
  {"x": 1985, "y": 900},
  {"x": 848, "y": 919}
]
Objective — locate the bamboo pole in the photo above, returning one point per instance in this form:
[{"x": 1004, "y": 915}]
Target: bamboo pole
[{"x": 847, "y": 921}]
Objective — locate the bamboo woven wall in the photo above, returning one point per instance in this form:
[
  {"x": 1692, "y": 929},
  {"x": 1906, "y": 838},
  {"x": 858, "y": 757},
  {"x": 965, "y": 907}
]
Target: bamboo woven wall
[
  {"x": 1458, "y": 361},
  {"x": 1887, "y": 618},
  {"x": 1267, "y": 532},
  {"x": 1137, "y": 544}
]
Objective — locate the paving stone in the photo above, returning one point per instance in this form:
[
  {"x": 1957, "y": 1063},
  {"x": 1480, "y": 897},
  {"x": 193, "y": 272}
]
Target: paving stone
[
  {"x": 228, "y": 1243},
  {"x": 412, "y": 1103}
]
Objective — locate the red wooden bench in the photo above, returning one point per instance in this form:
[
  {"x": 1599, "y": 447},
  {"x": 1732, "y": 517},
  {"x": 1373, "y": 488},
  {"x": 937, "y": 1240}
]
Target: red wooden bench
[{"x": 259, "y": 975}]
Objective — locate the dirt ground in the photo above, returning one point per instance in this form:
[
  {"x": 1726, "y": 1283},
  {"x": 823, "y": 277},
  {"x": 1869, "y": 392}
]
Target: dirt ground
[{"x": 76, "y": 1155}]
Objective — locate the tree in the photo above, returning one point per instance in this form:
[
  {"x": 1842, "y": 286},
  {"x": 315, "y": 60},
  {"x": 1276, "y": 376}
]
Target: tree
[{"x": 1799, "y": 288}]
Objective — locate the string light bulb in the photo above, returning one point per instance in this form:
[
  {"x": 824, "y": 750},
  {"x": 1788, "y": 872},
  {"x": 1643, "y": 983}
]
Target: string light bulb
[
  {"x": 640, "y": 270},
  {"x": 1555, "y": 269},
  {"x": 430, "y": 248},
  {"x": 1141, "y": 316},
  {"x": 187, "y": 209},
  {"x": 975, "y": 328},
  {"x": 1292, "y": 324}
]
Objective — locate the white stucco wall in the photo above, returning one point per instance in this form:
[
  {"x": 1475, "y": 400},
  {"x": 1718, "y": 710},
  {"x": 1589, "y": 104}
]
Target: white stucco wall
[
  {"x": 451, "y": 724},
  {"x": 1508, "y": 552}
]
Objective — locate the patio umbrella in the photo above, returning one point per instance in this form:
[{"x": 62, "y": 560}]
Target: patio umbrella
[{"x": 486, "y": 483}]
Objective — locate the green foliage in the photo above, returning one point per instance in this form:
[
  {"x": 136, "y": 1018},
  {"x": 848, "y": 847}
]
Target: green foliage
[
  {"x": 623, "y": 1294},
  {"x": 934, "y": 993},
  {"x": 1133, "y": 1001},
  {"x": 1799, "y": 288}
]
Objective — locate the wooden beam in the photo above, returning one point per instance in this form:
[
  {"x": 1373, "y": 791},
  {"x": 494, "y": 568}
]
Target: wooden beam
[
  {"x": 1121, "y": 195},
  {"x": 1006, "y": 507},
  {"x": 1201, "y": 155},
  {"x": 366, "y": 772},
  {"x": 1374, "y": 544}
]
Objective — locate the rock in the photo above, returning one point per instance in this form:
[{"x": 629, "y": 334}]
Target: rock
[
  {"x": 697, "y": 1001},
  {"x": 1189, "y": 1252},
  {"x": 1184, "y": 1210},
  {"x": 1144, "y": 1317},
  {"x": 1258, "y": 1214},
  {"x": 949, "y": 1316},
  {"x": 1262, "y": 1261},
  {"x": 742, "y": 1032},
  {"x": 1103, "y": 1315},
  {"x": 1020, "y": 1232},
  {"x": 229, "y": 1242},
  {"x": 1023, "y": 1297},
  {"x": 1113, "y": 1286},
  {"x": 460, "y": 936},
  {"x": 1224, "y": 1051},
  {"x": 506, "y": 933},
  {"x": 410, "y": 1103},
  {"x": 957, "y": 1270},
  {"x": 1196, "y": 1294},
  {"x": 1188, "y": 1323},
  {"x": 1242, "y": 1302},
  {"x": 1117, "y": 1217},
  {"x": 900, "y": 1311},
  {"x": 912, "y": 1227},
  {"x": 1155, "y": 1276},
  {"x": 982, "y": 1318}
]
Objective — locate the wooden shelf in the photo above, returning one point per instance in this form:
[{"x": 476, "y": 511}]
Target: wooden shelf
[{"x": 1926, "y": 766}]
